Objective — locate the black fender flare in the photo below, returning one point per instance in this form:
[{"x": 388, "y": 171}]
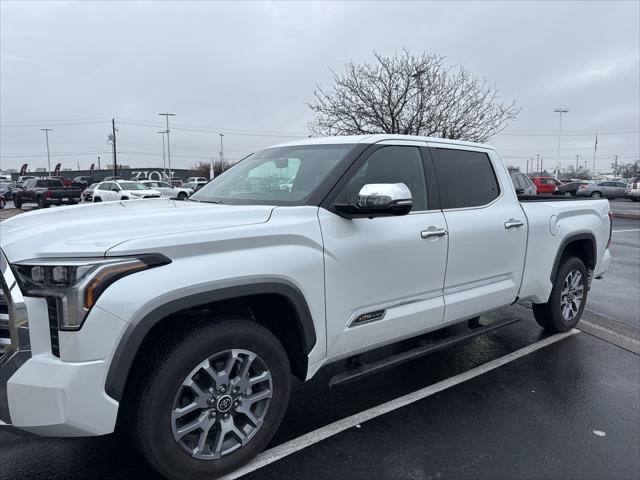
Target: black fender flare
[
  {"x": 563, "y": 246},
  {"x": 137, "y": 330}
]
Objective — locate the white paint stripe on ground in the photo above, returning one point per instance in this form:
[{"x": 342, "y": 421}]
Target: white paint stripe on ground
[
  {"x": 624, "y": 231},
  {"x": 2, "y": 424},
  {"x": 292, "y": 446}
]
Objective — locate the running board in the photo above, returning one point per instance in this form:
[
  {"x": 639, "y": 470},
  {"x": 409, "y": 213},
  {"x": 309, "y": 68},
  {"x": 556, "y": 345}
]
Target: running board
[{"x": 361, "y": 370}]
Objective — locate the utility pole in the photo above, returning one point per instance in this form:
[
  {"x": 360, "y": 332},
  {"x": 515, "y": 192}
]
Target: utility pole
[
  {"x": 221, "y": 154},
  {"x": 595, "y": 149},
  {"x": 615, "y": 169},
  {"x": 577, "y": 159},
  {"x": 211, "y": 169},
  {"x": 527, "y": 170},
  {"x": 585, "y": 166},
  {"x": 560, "y": 111},
  {"x": 164, "y": 164},
  {"x": 537, "y": 162},
  {"x": 46, "y": 134},
  {"x": 98, "y": 162},
  {"x": 113, "y": 142},
  {"x": 167, "y": 115}
]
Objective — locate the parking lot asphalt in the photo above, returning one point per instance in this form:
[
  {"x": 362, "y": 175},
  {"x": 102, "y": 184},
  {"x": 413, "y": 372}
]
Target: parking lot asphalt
[
  {"x": 532, "y": 418},
  {"x": 617, "y": 295}
]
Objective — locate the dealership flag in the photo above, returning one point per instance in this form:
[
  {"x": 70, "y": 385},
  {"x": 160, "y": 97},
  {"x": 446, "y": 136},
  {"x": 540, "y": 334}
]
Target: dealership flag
[
  {"x": 23, "y": 170},
  {"x": 91, "y": 170},
  {"x": 56, "y": 171}
]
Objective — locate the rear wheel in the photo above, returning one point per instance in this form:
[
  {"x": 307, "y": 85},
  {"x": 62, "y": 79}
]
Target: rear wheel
[
  {"x": 17, "y": 203},
  {"x": 596, "y": 195},
  {"x": 211, "y": 400},
  {"x": 567, "y": 300},
  {"x": 567, "y": 194},
  {"x": 42, "y": 203},
  {"x": 97, "y": 199},
  {"x": 182, "y": 196},
  {"x": 3, "y": 202}
]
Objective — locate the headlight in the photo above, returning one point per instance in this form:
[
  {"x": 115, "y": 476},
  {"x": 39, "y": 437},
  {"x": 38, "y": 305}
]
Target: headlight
[{"x": 74, "y": 285}]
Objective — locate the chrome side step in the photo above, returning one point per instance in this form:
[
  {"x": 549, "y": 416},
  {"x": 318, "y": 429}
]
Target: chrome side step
[{"x": 361, "y": 370}]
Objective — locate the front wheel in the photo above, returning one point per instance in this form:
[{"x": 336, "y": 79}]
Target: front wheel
[
  {"x": 182, "y": 196},
  {"x": 567, "y": 194},
  {"x": 3, "y": 202},
  {"x": 42, "y": 203},
  {"x": 567, "y": 300},
  {"x": 212, "y": 399},
  {"x": 96, "y": 199},
  {"x": 596, "y": 195}
]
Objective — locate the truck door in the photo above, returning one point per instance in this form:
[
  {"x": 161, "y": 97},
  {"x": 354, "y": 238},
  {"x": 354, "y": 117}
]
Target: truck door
[
  {"x": 487, "y": 230},
  {"x": 383, "y": 275}
]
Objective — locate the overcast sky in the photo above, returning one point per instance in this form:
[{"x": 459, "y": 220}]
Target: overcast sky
[{"x": 248, "y": 69}]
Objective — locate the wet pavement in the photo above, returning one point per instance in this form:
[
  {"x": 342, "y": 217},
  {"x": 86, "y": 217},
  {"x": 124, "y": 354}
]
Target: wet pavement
[{"x": 532, "y": 418}]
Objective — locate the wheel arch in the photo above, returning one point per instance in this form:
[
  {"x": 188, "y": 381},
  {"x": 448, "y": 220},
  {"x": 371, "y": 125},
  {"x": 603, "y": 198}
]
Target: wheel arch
[
  {"x": 581, "y": 245},
  {"x": 263, "y": 302}
]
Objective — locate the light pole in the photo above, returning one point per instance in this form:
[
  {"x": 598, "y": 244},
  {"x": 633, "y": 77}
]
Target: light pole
[
  {"x": 221, "y": 153},
  {"x": 167, "y": 115},
  {"x": 164, "y": 164},
  {"x": 46, "y": 134},
  {"x": 560, "y": 111}
]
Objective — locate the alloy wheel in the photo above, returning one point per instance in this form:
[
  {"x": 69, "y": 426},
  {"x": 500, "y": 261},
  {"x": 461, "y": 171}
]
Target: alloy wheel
[
  {"x": 221, "y": 404},
  {"x": 571, "y": 295}
]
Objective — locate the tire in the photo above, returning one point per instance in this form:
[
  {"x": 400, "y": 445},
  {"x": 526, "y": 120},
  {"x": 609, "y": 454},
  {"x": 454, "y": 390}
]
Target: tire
[
  {"x": 567, "y": 194},
  {"x": 162, "y": 387},
  {"x": 182, "y": 196},
  {"x": 97, "y": 199},
  {"x": 42, "y": 203},
  {"x": 124, "y": 198},
  {"x": 17, "y": 203},
  {"x": 3, "y": 202},
  {"x": 634, "y": 199},
  {"x": 596, "y": 194},
  {"x": 550, "y": 315}
]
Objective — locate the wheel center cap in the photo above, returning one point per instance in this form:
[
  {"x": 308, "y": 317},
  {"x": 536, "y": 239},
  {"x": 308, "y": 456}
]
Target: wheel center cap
[{"x": 224, "y": 403}]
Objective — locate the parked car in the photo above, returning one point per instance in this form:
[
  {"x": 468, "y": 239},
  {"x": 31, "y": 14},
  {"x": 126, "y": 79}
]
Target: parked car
[
  {"x": 122, "y": 190},
  {"x": 523, "y": 184},
  {"x": 569, "y": 189},
  {"x": 167, "y": 190},
  {"x": 188, "y": 319},
  {"x": 197, "y": 179},
  {"x": 195, "y": 186},
  {"x": 84, "y": 181},
  {"x": 46, "y": 192},
  {"x": 632, "y": 192},
  {"x": 176, "y": 181},
  {"x": 545, "y": 184},
  {"x": 603, "y": 189},
  {"x": 87, "y": 193}
]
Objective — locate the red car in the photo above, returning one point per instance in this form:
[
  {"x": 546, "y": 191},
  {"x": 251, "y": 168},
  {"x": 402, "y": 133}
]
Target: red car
[{"x": 546, "y": 184}]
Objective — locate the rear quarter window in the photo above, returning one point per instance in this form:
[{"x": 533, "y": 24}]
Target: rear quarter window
[{"x": 465, "y": 178}]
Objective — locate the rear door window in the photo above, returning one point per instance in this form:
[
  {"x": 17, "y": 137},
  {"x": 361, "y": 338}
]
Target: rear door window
[{"x": 465, "y": 178}]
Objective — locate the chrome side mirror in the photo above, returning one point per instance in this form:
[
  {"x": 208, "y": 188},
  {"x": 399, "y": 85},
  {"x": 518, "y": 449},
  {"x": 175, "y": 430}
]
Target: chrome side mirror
[{"x": 380, "y": 199}]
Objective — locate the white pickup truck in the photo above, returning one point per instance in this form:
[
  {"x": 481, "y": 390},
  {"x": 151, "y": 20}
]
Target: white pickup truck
[{"x": 184, "y": 321}]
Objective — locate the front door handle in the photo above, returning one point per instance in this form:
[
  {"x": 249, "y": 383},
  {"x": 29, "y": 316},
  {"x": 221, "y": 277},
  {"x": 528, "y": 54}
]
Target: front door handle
[
  {"x": 513, "y": 223},
  {"x": 433, "y": 232}
]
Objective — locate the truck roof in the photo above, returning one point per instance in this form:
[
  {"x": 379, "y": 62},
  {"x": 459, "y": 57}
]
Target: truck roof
[{"x": 375, "y": 138}]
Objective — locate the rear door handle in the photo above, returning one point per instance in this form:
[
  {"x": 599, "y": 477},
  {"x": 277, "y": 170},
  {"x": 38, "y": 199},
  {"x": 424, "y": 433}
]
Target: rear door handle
[
  {"x": 513, "y": 223},
  {"x": 433, "y": 232}
]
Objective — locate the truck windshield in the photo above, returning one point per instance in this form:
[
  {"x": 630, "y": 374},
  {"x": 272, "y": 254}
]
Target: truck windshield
[{"x": 274, "y": 176}]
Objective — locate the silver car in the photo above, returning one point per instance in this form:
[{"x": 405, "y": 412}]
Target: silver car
[
  {"x": 167, "y": 190},
  {"x": 606, "y": 189},
  {"x": 523, "y": 184}
]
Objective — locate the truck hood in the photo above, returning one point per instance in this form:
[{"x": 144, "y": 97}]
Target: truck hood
[{"x": 92, "y": 229}]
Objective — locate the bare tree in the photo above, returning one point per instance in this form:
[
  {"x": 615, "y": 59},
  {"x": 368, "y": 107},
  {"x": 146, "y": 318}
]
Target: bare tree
[
  {"x": 203, "y": 168},
  {"x": 412, "y": 95}
]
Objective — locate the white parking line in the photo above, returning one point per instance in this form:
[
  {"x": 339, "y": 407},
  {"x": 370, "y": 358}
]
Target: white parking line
[
  {"x": 624, "y": 231},
  {"x": 2, "y": 424},
  {"x": 297, "y": 444}
]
